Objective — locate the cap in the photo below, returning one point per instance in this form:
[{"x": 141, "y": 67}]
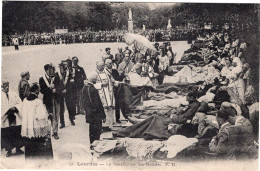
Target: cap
[{"x": 23, "y": 74}]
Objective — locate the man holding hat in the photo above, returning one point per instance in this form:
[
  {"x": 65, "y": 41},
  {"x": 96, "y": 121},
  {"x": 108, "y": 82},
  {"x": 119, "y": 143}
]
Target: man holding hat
[
  {"x": 10, "y": 120},
  {"x": 24, "y": 86}
]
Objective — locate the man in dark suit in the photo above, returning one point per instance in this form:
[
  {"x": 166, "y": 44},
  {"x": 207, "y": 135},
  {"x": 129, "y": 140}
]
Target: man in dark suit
[
  {"x": 71, "y": 91},
  {"x": 189, "y": 113},
  {"x": 119, "y": 57},
  {"x": 116, "y": 79},
  {"x": 94, "y": 110},
  {"x": 107, "y": 54},
  {"x": 24, "y": 86},
  {"x": 63, "y": 75},
  {"x": 51, "y": 90},
  {"x": 245, "y": 137},
  {"x": 80, "y": 76},
  {"x": 235, "y": 138}
]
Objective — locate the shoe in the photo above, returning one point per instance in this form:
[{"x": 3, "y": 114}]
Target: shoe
[
  {"x": 118, "y": 121},
  {"x": 8, "y": 154},
  {"x": 56, "y": 136},
  {"x": 105, "y": 129},
  {"x": 19, "y": 151},
  {"x": 73, "y": 123},
  {"x": 62, "y": 126}
]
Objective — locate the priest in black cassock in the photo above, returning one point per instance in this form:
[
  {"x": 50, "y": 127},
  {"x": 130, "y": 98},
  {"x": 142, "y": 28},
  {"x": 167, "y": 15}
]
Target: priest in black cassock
[{"x": 94, "y": 110}]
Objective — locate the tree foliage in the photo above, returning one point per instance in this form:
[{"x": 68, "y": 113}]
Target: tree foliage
[{"x": 45, "y": 16}]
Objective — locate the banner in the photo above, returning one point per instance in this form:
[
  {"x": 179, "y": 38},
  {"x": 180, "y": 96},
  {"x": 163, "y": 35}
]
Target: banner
[{"x": 61, "y": 31}]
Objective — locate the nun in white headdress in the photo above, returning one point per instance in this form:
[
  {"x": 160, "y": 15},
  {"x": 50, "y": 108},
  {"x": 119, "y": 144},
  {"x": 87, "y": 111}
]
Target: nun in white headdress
[{"x": 236, "y": 81}]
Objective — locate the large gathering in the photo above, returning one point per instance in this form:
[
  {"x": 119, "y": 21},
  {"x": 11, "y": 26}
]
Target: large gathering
[{"x": 143, "y": 102}]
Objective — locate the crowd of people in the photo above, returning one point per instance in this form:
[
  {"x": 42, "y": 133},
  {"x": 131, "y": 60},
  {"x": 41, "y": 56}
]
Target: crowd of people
[
  {"x": 225, "y": 94},
  {"x": 220, "y": 100},
  {"x": 101, "y": 36}
]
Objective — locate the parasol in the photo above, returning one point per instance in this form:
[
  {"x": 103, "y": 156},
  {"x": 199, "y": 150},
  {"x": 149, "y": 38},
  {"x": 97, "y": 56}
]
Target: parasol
[{"x": 140, "y": 42}]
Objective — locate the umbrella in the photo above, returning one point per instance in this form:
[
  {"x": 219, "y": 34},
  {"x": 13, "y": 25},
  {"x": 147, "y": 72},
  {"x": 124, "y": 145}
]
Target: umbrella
[{"x": 140, "y": 42}]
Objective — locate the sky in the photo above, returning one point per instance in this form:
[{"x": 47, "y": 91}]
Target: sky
[{"x": 155, "y": 5}]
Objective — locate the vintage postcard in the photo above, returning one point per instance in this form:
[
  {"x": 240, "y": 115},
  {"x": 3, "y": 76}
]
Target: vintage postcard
[{"x": 129, "y": 85}]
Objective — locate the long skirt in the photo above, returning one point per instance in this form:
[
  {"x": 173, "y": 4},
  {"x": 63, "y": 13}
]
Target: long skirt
[
  {"x": 110, "y": 117},
  {"x": 36, "y": 148},
  {"x": 238, "y": 88},
  {"x": 11, "y": 137}
]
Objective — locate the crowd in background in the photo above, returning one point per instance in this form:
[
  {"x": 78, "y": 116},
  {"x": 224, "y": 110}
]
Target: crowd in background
[{"x": 101, "y": 36}]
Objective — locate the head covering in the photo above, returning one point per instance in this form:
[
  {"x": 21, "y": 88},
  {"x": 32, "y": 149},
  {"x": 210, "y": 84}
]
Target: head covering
[
  {"x": 225, "y": 105},
  {"x": 23, "y": 74},
  {"x": 229, "y": 112},
  {"x": 5, "y": 82},
  {"x": 34, "y": 87},
  {"x": 222, "y": 114},
  {"x": 75, "y": 57},
  {"x": 46, "y": 67},
  {"x": 108, "y": 48}
]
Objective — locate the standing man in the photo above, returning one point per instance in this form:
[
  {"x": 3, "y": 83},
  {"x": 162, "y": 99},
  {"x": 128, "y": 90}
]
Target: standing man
[
  {"x": 51, "y": 90},
  {"x": 116, "y": 79},
  {"x": 11, "y": 120},
  {"x": 163, "y": 65},
  {"x": 125, "y": 66},
  {"x": 63, "y": 75},
  {"x": 107, "y": 55},
  {"x": 16, "y": 43},
  {"x": 119, "y": 57},
  {"x": 104, "y": 86},
  {"x": 94, "y": 110},
  {"x": 24, "y": 86},
  {"x": 71, "y": 92},
  {"x": 80, "y": 76}
]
